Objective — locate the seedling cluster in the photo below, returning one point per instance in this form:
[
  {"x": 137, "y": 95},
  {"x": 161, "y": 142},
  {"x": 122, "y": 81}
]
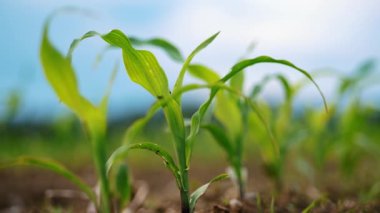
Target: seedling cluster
[{"x": 238, "y": 118}]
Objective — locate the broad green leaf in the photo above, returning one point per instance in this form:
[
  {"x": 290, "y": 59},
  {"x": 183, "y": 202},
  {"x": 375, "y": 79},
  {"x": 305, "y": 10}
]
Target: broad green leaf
[
  {"x": 204, "y": 73},
  {"x": 56, "y": 168},
  {"x": 220, "y": 137},
  {"x": 266, "y": 59},
  {"x": 59, "y": 72},
  {"x": 228, "y": 113},
  {"x": 179, "y": 82},
  {"x": 165, "y": 45},
  {"x": 122, "y": 152},
  {"x": 141, "y": 65},
  {"x": 201, "y": 190},
  {"x": 237, "y": 82},
  {"x": 143, "y": 68},
  {"x": 61, "y": 76}
]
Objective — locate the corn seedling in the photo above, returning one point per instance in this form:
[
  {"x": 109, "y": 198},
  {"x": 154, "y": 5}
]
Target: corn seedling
[
  {"x": 143, "y": 68},
  {"x": 279, "y": 117},
  {"x": 347, "y": 120},
  {"x": 231, "y": 112},
  {"x": 62, "y": 78}
]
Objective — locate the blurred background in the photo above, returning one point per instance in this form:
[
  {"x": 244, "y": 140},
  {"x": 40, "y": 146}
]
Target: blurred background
[
  {"x": 314, "y": 35},
  {"x": 334, "y": 154}
]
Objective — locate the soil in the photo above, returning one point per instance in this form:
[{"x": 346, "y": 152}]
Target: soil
[{"x": 34, "y": 190}]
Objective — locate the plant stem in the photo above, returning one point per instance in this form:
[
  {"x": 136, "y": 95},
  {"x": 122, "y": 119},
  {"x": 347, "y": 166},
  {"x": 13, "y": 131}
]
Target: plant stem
[
  {"x": 100, "y": 166},
  {"x": 174, "y": 117},
  {"x": 185, "y": 198},
  {"x": 184, "y": 190},
  {"x": 237, "y": 167}
]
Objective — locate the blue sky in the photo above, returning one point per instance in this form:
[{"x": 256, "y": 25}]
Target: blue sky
[{"x": 313, "y": 34}]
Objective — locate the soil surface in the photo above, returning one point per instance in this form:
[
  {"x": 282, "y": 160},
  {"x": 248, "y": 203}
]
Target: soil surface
[{"x": 35, "y": 190}]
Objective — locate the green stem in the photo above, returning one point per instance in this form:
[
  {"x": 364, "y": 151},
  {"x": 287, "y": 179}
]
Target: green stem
[
  {"x": 174, "y": 117},
  {"x": 100, "y": 166},
  {"x": 184, "y": 169},
  {"x": 237, "y": 167},
  {"x": 185, "y": 197}
]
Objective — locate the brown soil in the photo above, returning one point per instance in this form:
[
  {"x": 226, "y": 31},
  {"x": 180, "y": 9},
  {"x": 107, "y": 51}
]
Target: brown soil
[{"x": 34, "y": 190}]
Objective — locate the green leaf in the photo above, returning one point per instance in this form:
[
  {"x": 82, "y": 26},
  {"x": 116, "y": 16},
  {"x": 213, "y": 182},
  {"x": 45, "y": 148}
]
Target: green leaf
[
  {"x": 134, "y": 129},
  {"x": 141, "y": 65},
  {"x": 220, "y": 137},
  {"x": 59, "y": 72},
  {"x": 61, "y": 76},
  {"x": 228, "y": 113},
  {"x": 122, "y": 152},
  {"x": 204, "y": 73},
  {"x": 201, "y": 190},
  {"x": 281, "y": 78},
  {"x": 266, "y": 59},
  {"x": 143, "y": 68},
  {"x": 165, "y": 45},
  {"x": 74, "y": 44},
  {"x": 263, "y": 121},
  {"x": 226, "y": 110},
  {"x": 179, "y": 82},
  {"x": 237, "y": 81},
  {"x": 57, "y": 168},
  {"x": 123, "y": 185}
]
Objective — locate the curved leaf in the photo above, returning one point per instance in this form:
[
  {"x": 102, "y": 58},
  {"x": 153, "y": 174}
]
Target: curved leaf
[
  {"x": 179, "y": 82},
  {"x": 228, "y": 113},
  {"x": 266, "y": 59},
  {"x": 165, "y": 45},
  {"x": 57, "y": 168},
  {"x": 141, "y": 65},
  {"x": 220, "y": 137},
  {"x": 201, "y": 190},
  {"x": 226, "y": 110},
  {"x": 61, "y": 76},
  {"x": 204, "y": 73},
  {"x": 281, "y": 78},
  {"x": 122, "y": 152}
]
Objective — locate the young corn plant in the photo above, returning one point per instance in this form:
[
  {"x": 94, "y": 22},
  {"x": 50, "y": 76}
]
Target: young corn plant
[
  {"x": 62, "y": 78},
  {"x": 347, "y": 121},
  {"x": 143, "y": 68},
  {"x": 232, "y": 109},
  {"x": 279, "y": 116}
]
